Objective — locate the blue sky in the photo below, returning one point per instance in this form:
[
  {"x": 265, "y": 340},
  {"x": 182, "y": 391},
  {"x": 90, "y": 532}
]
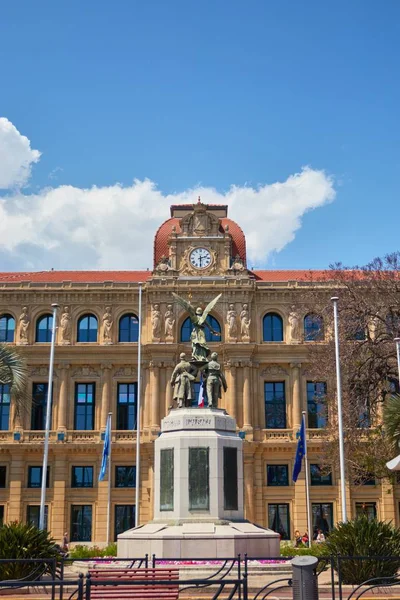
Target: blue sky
[{"x": 205, "y": 94}]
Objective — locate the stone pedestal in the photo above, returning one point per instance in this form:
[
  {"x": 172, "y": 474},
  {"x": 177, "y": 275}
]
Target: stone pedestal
[{"x": 198, "y": 493}]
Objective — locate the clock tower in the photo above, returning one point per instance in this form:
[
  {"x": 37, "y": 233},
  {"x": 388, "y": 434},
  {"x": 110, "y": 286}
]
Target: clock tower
[{"x": 199, "y": 240}]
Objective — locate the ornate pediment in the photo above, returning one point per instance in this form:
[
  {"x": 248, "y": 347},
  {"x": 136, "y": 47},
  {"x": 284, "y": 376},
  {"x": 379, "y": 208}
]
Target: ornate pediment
[{"x": 199, "y": 222}]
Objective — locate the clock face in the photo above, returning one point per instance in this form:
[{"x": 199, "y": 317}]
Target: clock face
[{"x": 200, "y": 258}]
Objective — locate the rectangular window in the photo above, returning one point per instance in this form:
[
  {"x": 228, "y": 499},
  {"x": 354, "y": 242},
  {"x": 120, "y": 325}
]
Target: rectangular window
[
  {"x": 322, "y": 518},
  {"x": 84, "y": 406},
  {"x": 275, "y": 404},
  {"x": 33, "y": 515},
  {"x": 318, "y": 477},
  {"x": 167, "y": 479},
  {"x": 35, "y": 477},
  {"x": 126, "y": 406},
  {"x": 82, "y": 477},
  {"x": 5, "y": 400},
  {"x": 367, "y": 509},
  {"x": 81, "y": 523},
  {"x": 125, "y": 476},
  {"x": 3, "y": 476},
  {"x": 279, "y": 519},
  {"x": 364, "y": 417},
  {"x": 277, "y": 475},
  {"x": 124, "y": 518},
  {"x": 39, "y": 401},
  {"x": 230, "y": 479},
  {"x": 316, "y": 404},
  {"x": 199, "y": 485},
  {"x": 1, "y": 515}
]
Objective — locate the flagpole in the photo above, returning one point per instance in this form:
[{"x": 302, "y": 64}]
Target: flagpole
[
  {"x": 48, "y": 420},
  {"x": 139, "y": 372},
  {"x": 340, "y": 417},
  {"x": 109, "y": 482},
  {"x": 307, "y": 481}
]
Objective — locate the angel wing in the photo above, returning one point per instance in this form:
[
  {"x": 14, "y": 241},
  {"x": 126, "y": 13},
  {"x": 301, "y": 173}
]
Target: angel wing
[
  {"x": 208, "y": 309},
  {"x": 186, "y": 305}
]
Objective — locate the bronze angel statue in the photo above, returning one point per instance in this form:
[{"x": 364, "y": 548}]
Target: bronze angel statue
[{"x": 200, "y": 350}]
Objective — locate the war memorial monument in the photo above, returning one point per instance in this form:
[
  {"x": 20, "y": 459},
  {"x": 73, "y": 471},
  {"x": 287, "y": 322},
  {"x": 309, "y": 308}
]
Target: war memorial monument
[{"x": 198, "y": 471}]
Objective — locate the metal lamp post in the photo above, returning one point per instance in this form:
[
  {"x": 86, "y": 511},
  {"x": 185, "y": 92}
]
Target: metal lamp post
[
  {"x": 397, "y": 342},
  {"x": 340, "y": 414},
  {"x": 48, "y": 418},
  {"x": 137, "y": 483}
]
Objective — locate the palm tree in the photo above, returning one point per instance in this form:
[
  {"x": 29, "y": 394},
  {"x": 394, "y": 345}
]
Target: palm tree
[
  {"x": 391, "y": 420},
  {"x": 14, "y": 372}
]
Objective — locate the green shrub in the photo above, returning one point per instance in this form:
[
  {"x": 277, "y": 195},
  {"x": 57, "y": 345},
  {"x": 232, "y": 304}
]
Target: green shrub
[
  {"x": 317, "y": 550},
  {"x": 79, "y": 551},
  {"x": 19, "y": 540},
  {"x": 362, "y": 537}
]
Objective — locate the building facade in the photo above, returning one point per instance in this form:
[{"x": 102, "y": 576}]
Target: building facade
[{"x": 263, "y": 345}]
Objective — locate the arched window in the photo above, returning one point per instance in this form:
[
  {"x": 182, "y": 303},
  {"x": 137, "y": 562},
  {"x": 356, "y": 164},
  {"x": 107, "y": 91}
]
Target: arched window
[
  {"x": 87, "y": 328},
  {"x": 313, "y": 328},
  {"x": 187, "y": 327},
  {"x": 44, "y": 326},
  {"x": 128, "y": 328},
  {"x": 272, "y": 328},
  {"x": 7, "y": 328}
]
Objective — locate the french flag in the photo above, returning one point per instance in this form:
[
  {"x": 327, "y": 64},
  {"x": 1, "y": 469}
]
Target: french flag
[{"x": 200, "y": 399}]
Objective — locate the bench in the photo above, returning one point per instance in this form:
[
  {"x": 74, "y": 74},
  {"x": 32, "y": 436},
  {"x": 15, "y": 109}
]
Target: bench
[{"x": 122, "y": 588}]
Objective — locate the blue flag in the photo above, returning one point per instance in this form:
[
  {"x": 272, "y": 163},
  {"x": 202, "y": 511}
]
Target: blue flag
[
  {"x": 301, "y": 450},
  {"x": 106, "y": 449}
]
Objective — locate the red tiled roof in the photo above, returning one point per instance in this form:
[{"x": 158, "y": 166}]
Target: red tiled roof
[
  {"x": 165, "y": 230},
  {"x": 76, "y": 276},
  {"x": 279, "y": 276}
]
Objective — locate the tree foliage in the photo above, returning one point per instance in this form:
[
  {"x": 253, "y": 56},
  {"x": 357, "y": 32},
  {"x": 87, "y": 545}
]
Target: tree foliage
[{"x": 369, "y": 320}]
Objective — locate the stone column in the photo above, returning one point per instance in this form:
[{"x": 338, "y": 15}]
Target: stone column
[
  {"x": 255, "y": 396},
  {"x": 154, "y": 385},
  {"x": 62, "y": 407},
  {"x": 61, "y": 478},
  {"x": 247, "y": 417},
  {"x": 169, "y": 389},
  {"x": 146, "y": 397},
  {"x": 105, "y": 396},
  {"x": 16, "y": 482},
  {"x": 296, "y": 395},
  {"x": 249, "y": 487}
]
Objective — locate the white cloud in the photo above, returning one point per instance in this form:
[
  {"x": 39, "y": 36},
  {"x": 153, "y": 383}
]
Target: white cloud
[
  {"x": 16, "y": 156},
  {"x": 113, "y": 227}
]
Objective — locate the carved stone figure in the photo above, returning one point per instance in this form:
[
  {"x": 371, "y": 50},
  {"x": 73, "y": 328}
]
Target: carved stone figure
[
  {"x": 24, "y": 322},
  {"x": 107, "y": 326},
  {"x": 200, "y": 350},
  {"x": 182, "y": 377},
  {"x": 214, "y": 380},
  {"x": 231, "y": 319},
  {"x": 237, "y": 264},
  {"x": 163, "y": 264},
  {"x": 65, "y": 326},
  {"x": 156, "y": 322},
  {"x": 245, "y": 322},
  {"x": 294, "y": 322},
  {"x": 169, "y": 322}
]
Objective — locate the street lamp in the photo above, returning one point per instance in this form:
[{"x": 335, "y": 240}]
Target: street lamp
[
  {"x": 397, "y": 342},
  {"x": 48, "y": 417},
  {"x": 335, "y": 299}
]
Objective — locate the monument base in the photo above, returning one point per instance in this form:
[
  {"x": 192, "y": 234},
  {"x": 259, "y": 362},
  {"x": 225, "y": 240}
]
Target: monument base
[
  {"x": 198, "y": 493},
  {"x": 199, "y": 540}
]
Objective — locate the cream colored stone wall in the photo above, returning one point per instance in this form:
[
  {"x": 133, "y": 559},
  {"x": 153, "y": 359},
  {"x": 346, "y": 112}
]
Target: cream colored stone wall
[{"x": 247, "y": 364}]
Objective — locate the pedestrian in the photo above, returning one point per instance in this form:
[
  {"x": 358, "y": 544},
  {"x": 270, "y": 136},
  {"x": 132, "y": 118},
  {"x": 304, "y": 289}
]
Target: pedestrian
[
  {"x": 297, "y": 538},
  {"x": 65, "y": 546},
  {"x": 305, "y": 539},
  {"x": 320, "y": 537}
]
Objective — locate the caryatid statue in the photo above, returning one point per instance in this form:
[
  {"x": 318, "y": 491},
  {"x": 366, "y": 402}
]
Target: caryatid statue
[
  {"x": 215, "y": 379},
  {"x": 198, "y": 316},
  {"x": 182, "y": 379}
]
